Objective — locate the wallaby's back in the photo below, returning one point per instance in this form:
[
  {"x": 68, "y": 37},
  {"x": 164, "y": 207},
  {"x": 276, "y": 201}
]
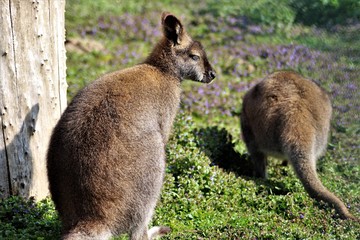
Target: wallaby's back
[{"x": 288, "y": 116}]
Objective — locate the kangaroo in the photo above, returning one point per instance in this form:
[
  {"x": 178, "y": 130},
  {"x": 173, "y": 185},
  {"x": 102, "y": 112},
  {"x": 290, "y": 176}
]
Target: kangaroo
[
  {"x": 106, "y": 157},
  {"x": 288, "y": 116}
]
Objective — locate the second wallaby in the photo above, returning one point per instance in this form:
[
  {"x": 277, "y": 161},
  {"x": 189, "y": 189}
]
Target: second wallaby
[
  {"x": 288, "y": 116},
  {"x": 106, "y": 158}
]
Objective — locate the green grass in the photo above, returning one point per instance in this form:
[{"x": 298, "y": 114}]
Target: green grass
[{"x": 208, "y": 191}]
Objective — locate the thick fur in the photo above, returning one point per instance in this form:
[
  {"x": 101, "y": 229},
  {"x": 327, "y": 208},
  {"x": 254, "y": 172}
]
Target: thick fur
[
  {"x": 288, "y": 116},
  {"x": 106, "y": 157}
]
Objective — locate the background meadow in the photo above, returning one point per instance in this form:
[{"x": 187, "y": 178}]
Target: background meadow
[{"x": 209, "y": 192}]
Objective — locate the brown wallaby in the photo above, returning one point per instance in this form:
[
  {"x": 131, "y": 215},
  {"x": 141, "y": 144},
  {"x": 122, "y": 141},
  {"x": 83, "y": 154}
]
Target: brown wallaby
[
  {"x": 106, "y": 158},
  {"x": 288, "y": 116}
]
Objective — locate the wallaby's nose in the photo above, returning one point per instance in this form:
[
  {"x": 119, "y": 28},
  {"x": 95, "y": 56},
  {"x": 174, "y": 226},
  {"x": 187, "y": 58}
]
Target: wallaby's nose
[{"x": 212, "y": 74}]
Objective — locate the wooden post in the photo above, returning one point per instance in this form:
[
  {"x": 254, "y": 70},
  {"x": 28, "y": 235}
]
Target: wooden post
[{"x": 32, "y": 91}]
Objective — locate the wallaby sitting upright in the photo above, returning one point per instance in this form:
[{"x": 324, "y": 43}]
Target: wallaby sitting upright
[
  {"x": 106, "y": 158},
  {"x": 288, "y": 116}
]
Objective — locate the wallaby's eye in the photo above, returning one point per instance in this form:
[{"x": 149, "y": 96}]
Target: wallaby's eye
[{"x": 194, "y": 57}]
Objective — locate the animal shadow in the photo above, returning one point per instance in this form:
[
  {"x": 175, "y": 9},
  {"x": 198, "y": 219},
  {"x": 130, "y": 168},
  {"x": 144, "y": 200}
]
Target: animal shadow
[
  {"x": 17, "y": 169},
  {"x": 218, "y": 145}
]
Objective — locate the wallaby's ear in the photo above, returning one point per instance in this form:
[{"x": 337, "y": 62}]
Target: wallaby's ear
[{"x": 172, "y": 27}]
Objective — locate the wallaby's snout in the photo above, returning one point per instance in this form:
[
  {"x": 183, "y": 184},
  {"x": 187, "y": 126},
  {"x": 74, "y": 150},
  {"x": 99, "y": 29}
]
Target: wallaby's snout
[{"x": 210, "y": 74}]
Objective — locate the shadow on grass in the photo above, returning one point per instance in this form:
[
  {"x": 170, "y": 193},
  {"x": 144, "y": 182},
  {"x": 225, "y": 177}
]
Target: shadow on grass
[{"x": 218, "y": 145}]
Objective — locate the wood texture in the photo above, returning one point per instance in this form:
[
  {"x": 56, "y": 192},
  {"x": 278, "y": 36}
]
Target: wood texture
[{"x": 32, "y": 91}]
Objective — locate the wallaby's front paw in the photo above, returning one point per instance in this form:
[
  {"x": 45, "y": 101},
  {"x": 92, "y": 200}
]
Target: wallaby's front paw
[{"x": 158, "y": 231}]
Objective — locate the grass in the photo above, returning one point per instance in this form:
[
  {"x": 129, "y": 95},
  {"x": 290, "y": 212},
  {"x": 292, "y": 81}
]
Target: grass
[{"x": 209, "y": 192}]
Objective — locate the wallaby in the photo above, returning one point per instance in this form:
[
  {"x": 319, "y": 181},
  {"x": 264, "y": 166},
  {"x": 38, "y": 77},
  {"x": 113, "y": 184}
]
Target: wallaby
[
  {"x": 106, "y": 158},
  {"x": 288, "y": 116}
]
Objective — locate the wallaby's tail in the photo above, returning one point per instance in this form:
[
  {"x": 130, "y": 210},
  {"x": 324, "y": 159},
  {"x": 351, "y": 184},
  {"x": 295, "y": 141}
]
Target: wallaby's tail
[
  {"x": 312, "y": 184},
  {"x": 158, "y": 231}
]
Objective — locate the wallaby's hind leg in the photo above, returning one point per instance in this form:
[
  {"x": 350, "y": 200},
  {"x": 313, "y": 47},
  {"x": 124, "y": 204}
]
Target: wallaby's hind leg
[
  {"x": 306, "y": 171},
  {"x": 139, "y": 233},
  {"x": 258, "y": 158},
  {"x": 158, "y": 231},
  {"x": 259, "y": 161},
  {"x": 142, "y": 233},
  {"x": 139, "y": 230}
]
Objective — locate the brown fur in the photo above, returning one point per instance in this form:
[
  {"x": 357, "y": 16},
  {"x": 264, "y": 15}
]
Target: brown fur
[
  {"x": 288, "y": 116},
  {"x": 106, "y": 157}
]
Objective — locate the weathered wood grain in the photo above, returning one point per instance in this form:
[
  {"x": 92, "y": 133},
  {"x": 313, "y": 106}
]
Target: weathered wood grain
[{"x": 32, "y": 91}]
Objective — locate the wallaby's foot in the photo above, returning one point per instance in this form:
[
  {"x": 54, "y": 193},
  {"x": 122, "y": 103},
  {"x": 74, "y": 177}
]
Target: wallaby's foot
[
  {"x": 84, "y": 236},
  {"x": 158, "y": 231},
  {"x": 88, "y": 231},
  {"x": 259, "y": 161}
]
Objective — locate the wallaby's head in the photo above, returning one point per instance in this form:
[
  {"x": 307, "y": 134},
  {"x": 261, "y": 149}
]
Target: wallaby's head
[{"x": 180, "y": 54}]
